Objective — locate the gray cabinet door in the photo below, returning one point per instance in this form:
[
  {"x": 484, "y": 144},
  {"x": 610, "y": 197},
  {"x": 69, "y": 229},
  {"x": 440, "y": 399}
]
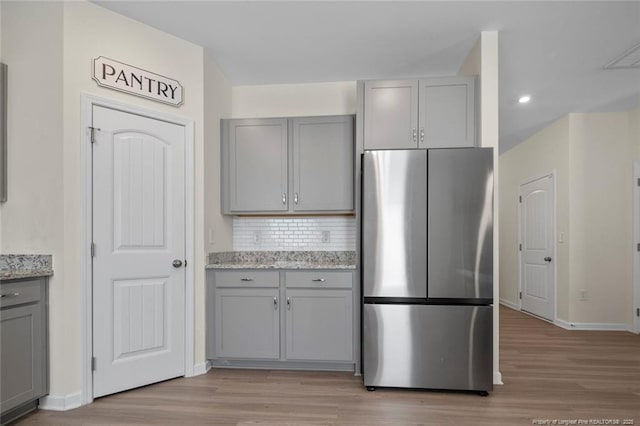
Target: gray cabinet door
[
  {"x": 257, "y": 155},
  {"x": 23, "y": 355},
  {"x": 319, "y": 325},
  {"x": 447, "y": 112},
  {"x": 247, "y": 323},
  {"x": 391, "y": 114},
  {"x": 323, "y": 164}
]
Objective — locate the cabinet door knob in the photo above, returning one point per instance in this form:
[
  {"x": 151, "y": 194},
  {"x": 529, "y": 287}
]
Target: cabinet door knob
[
  {"x": 413, "y": 131},
  {"x": 295, "y": 198},
  {"x": 275, "y": 303},
  {"x": 177, "y": 263},
  {"x": 422, "y": 134},
  {"x": 288, "y": 303},
  {"x": 284, "y": 198}
]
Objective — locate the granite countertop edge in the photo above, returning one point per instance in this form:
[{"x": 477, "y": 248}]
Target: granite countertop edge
[
  {"x": 345, "y": 260},
  {"x": 14, "y": 275},
  {"x": 272, "y": 266}
]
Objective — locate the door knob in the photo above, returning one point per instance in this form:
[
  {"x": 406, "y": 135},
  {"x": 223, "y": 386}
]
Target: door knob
[
  {"x": 547, "y": 259},
  {"x": 177, "y": 263}
]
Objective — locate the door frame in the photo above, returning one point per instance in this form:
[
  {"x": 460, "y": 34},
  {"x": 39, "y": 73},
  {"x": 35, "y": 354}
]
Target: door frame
[
  {"x": 635, "y": 324},
  {"x": 88, "y": 101},
  {"x": 554, "y": 227}
]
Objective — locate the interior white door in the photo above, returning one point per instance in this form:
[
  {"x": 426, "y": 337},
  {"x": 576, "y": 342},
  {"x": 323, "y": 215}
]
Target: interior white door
[
  {"x": 138, "y": 232},
  {"x": 537, "y": 230}
]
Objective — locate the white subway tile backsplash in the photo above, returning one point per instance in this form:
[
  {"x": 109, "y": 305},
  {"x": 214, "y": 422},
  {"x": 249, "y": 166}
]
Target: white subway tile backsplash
[{"x": 296, "y": 234}]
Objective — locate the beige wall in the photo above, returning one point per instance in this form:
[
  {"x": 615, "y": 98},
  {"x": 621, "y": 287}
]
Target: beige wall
[
  {"x": 282, "y": 100},
  {"x": 601, "y": 156},
  {"x": 32, "y": 219},
  {"x": 49, "y": 48},
  {"x": 545, "y": 152},
  {"x": 592, "y": 155},
  {"x": 218, "y": 235},
  {"x": 91, "y": 31}
]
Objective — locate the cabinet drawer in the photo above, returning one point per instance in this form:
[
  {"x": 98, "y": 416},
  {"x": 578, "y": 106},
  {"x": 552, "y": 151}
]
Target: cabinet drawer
[
  {"x": 319, "y": 279},
  {"x": 247, "y": 279},
  {"x": 20, "y": 293}
]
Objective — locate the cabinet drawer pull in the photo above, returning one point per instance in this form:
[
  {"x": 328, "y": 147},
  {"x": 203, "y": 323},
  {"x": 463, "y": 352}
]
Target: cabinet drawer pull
[
  {"x": 422, "y": 134},
  {"x": 319, "y": 280},
  {"x": 288, "y": 303},
  {"x": 275, "y": 303},
  {"x": 8, "y": 295},
  {"x": 295, "y": 198},
  {"x": 246, "y": 279},
  {"x": 414, "y": 134},
  {"x": 284, "y": 198}
]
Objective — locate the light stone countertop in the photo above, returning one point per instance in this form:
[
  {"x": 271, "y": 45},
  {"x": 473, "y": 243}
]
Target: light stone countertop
[
  {"x": 15, "y": 266},
  {"x": 282, "y": 260}
]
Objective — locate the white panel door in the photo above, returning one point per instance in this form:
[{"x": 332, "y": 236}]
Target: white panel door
[
  {"x": 138, "y": 231},
  {"x": 537, "y": 231}
]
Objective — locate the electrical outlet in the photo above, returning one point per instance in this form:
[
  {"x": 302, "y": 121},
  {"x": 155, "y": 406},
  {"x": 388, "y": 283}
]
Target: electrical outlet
[
  {"x": 584, "y": 295},
  {"x": 561, "y": 238},
  {"x": 326, "y": 236},
  {"x": 257, "y": 237}
]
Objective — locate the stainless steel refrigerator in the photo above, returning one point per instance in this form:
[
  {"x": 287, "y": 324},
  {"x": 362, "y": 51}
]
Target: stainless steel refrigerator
[{"x": 427, "y": 264}]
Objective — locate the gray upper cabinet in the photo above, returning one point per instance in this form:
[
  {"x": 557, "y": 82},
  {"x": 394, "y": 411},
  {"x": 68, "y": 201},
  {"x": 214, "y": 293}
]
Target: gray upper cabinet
[
  {"x": 323, "y": 164},
  {"x": 288, "y": 165},
  {"x": 426, "y": 113},
  {"x": 447, "y": 112},
  {"x": 257, "y": 161},
  {"x": 391, "y": 114}
]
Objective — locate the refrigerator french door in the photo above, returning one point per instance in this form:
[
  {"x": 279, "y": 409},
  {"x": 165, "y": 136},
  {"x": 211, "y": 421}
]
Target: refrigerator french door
[{"x": 427, "y": 262}]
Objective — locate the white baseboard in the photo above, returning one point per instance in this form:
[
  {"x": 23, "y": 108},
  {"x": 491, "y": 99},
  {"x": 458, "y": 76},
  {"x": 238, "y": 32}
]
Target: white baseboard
[
  {"x": 61, "y": 402},
  {"x": 497, "y": 378},
  {"x": 592, "y": 326},
  {"x": 509, "y": 304},
  {"x": 201, "y": 368}
]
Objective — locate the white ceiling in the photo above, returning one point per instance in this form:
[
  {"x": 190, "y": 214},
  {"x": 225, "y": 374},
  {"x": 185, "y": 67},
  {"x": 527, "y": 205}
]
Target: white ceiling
[{"x": 554, "y": 51}]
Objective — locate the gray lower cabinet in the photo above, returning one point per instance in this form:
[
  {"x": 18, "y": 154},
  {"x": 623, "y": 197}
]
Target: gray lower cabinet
[
  {"x": 425, "y": 113},
  {"x": 247, "y": 323},
  {"x": 23, "y": 352},
  {"x": 281, "y": 318},
  {"x": 319, "y": 325},
  {"x": 288, "y": 165}
]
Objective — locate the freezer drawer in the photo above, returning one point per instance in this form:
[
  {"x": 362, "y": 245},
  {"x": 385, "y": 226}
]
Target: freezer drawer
[{"x": 428, "y": 346}]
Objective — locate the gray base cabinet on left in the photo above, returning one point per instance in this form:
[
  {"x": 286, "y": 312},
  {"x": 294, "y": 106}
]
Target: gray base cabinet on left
[
  {"x": 281, "y": 319},
  {"x": 23, "y": 357}
]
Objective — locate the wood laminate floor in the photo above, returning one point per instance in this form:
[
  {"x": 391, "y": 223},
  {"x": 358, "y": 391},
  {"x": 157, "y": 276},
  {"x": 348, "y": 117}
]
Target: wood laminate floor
[{"x": 548, "y": 373}]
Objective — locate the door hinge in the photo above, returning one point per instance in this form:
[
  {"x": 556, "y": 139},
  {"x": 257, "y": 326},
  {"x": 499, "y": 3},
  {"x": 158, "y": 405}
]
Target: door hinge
[
  {"x": 185, "y": 263},
  {"x": 520, "y": 295},
  {"x": 93, "y": 133},
  {"x": 520, "y": 246},
  {"x": 520, "y": 198},
  {"x": 638, "y": 247},
  {"x": 93, "y": 363},
  {"x": 638, "y": 182},
  {"x": 93, "y": 249},
  {"x": 638, "y": 312}
]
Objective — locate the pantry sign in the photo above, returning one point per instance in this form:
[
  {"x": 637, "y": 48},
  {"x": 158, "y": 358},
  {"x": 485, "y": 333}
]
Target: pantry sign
[{"x": 136, "y": 81}]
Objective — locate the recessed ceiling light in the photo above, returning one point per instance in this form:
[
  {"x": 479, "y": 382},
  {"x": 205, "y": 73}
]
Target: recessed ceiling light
[{"x": 524, "y": 99}]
